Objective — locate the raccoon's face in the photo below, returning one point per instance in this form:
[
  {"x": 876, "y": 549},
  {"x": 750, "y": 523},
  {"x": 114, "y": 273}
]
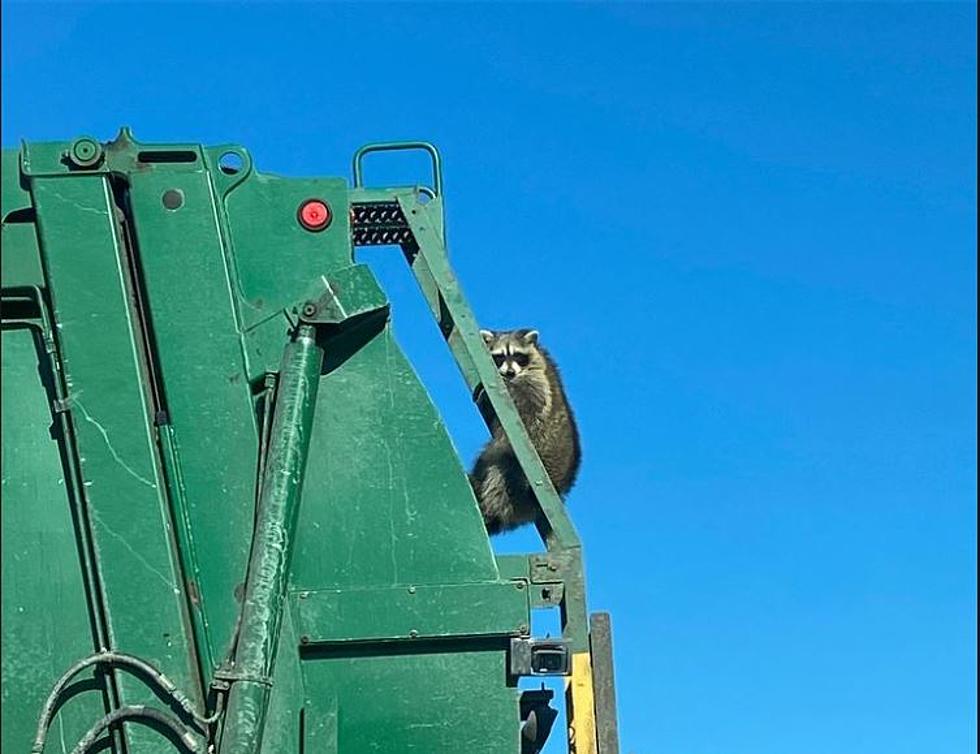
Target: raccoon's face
[{"x": 515, "y": 352}]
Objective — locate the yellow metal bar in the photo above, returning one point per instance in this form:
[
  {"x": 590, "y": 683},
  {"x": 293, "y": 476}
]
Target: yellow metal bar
[{"x": 580, "y": 704}]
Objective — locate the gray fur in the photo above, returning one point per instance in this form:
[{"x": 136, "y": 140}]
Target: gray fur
[{"x": 532, "y": 379}]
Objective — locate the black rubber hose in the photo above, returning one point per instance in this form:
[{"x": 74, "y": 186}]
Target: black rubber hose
[
  {"x": 139, "y": 713},
  {"x": 116, "y": 659}
]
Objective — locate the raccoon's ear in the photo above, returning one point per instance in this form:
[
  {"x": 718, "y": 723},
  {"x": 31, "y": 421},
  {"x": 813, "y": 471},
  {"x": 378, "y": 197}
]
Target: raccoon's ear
[
  {"x": 487, "y": 336},
  {"x": 531, "y": 336}
]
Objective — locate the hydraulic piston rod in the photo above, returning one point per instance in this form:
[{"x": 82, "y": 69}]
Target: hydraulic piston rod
[{"x": 265, "y": 589}]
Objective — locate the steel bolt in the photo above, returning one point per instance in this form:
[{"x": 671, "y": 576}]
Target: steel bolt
[
  {"x": 411, "y": 590},
  {"x": 304, "y": 639},
  {"x": 413, "y": 634},
  {"x": 519, "y": 584},
  {"x": 309, "y": 310},
  {"x": 85, "y": 152},
  {"x": 522, "y": 628}
]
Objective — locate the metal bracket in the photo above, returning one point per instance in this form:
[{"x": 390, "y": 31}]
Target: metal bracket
[
  {"x": 343, "y": 295},
  {"x": 537, "y": 657},
  {"x": 61, "y": 405},
  {"x": 558, "y": 565},
  {"x": 545, "y": 594},
  {"x": 228, "y": 677}
]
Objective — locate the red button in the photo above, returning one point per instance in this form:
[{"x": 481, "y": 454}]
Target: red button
[{"x": 314, "y": 214}]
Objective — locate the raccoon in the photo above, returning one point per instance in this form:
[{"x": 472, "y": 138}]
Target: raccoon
[{"x": 505, "y": 498}]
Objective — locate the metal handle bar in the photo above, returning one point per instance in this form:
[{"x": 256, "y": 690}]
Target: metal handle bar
[{"x": 396, "y": 146}]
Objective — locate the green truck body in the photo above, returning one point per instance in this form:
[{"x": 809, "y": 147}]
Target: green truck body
[{"x": 233, "y": 519}]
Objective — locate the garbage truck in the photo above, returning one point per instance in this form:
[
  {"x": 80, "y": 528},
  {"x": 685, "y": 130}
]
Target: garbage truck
[{"x": 233, "y": 520}]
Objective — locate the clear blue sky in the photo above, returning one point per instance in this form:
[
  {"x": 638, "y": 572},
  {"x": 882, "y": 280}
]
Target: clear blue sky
[{"x": 749, "y": 235}]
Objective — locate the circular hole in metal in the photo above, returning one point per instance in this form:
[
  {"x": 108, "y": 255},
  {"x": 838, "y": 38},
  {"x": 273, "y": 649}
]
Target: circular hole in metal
[
  {"x": 231, "y": 163},
  {"x": 173, "y": 199}
]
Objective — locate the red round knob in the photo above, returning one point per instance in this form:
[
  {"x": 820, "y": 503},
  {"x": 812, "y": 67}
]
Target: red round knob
[{"x": 314, "y": 214}]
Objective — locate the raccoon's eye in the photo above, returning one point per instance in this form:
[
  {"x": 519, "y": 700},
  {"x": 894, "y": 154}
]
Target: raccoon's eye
[
  {"x": 498, "y": 359},
  {"x": 521, "y": 359}
]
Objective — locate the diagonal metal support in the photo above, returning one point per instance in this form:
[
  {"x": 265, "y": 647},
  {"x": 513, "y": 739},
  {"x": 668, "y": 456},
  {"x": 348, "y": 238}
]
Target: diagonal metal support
[{"x": 426, "y": 253}]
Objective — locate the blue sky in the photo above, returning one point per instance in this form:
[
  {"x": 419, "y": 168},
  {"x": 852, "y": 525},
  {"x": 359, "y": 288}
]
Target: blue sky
[{"x": 748, "y": 233}]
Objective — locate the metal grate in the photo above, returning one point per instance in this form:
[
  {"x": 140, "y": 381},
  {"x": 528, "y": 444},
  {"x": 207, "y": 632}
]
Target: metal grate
[{"x": 378, "y": 224}]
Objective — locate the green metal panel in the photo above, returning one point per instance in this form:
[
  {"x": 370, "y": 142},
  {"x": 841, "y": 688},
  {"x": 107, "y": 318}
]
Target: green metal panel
[
  {"x": 420, "y": 699},
  {"x": 284, "y": 725},
  {"x": 275, "y": 258},
  {"x": 423, "y": 612},
  {"x": 129, "y": 513},
  {"x": 20, "y": 263},
  {"x": 46, "y": 622},
  {"x": 195, "y": 323},
  {"x": 383, "y": 478}
]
